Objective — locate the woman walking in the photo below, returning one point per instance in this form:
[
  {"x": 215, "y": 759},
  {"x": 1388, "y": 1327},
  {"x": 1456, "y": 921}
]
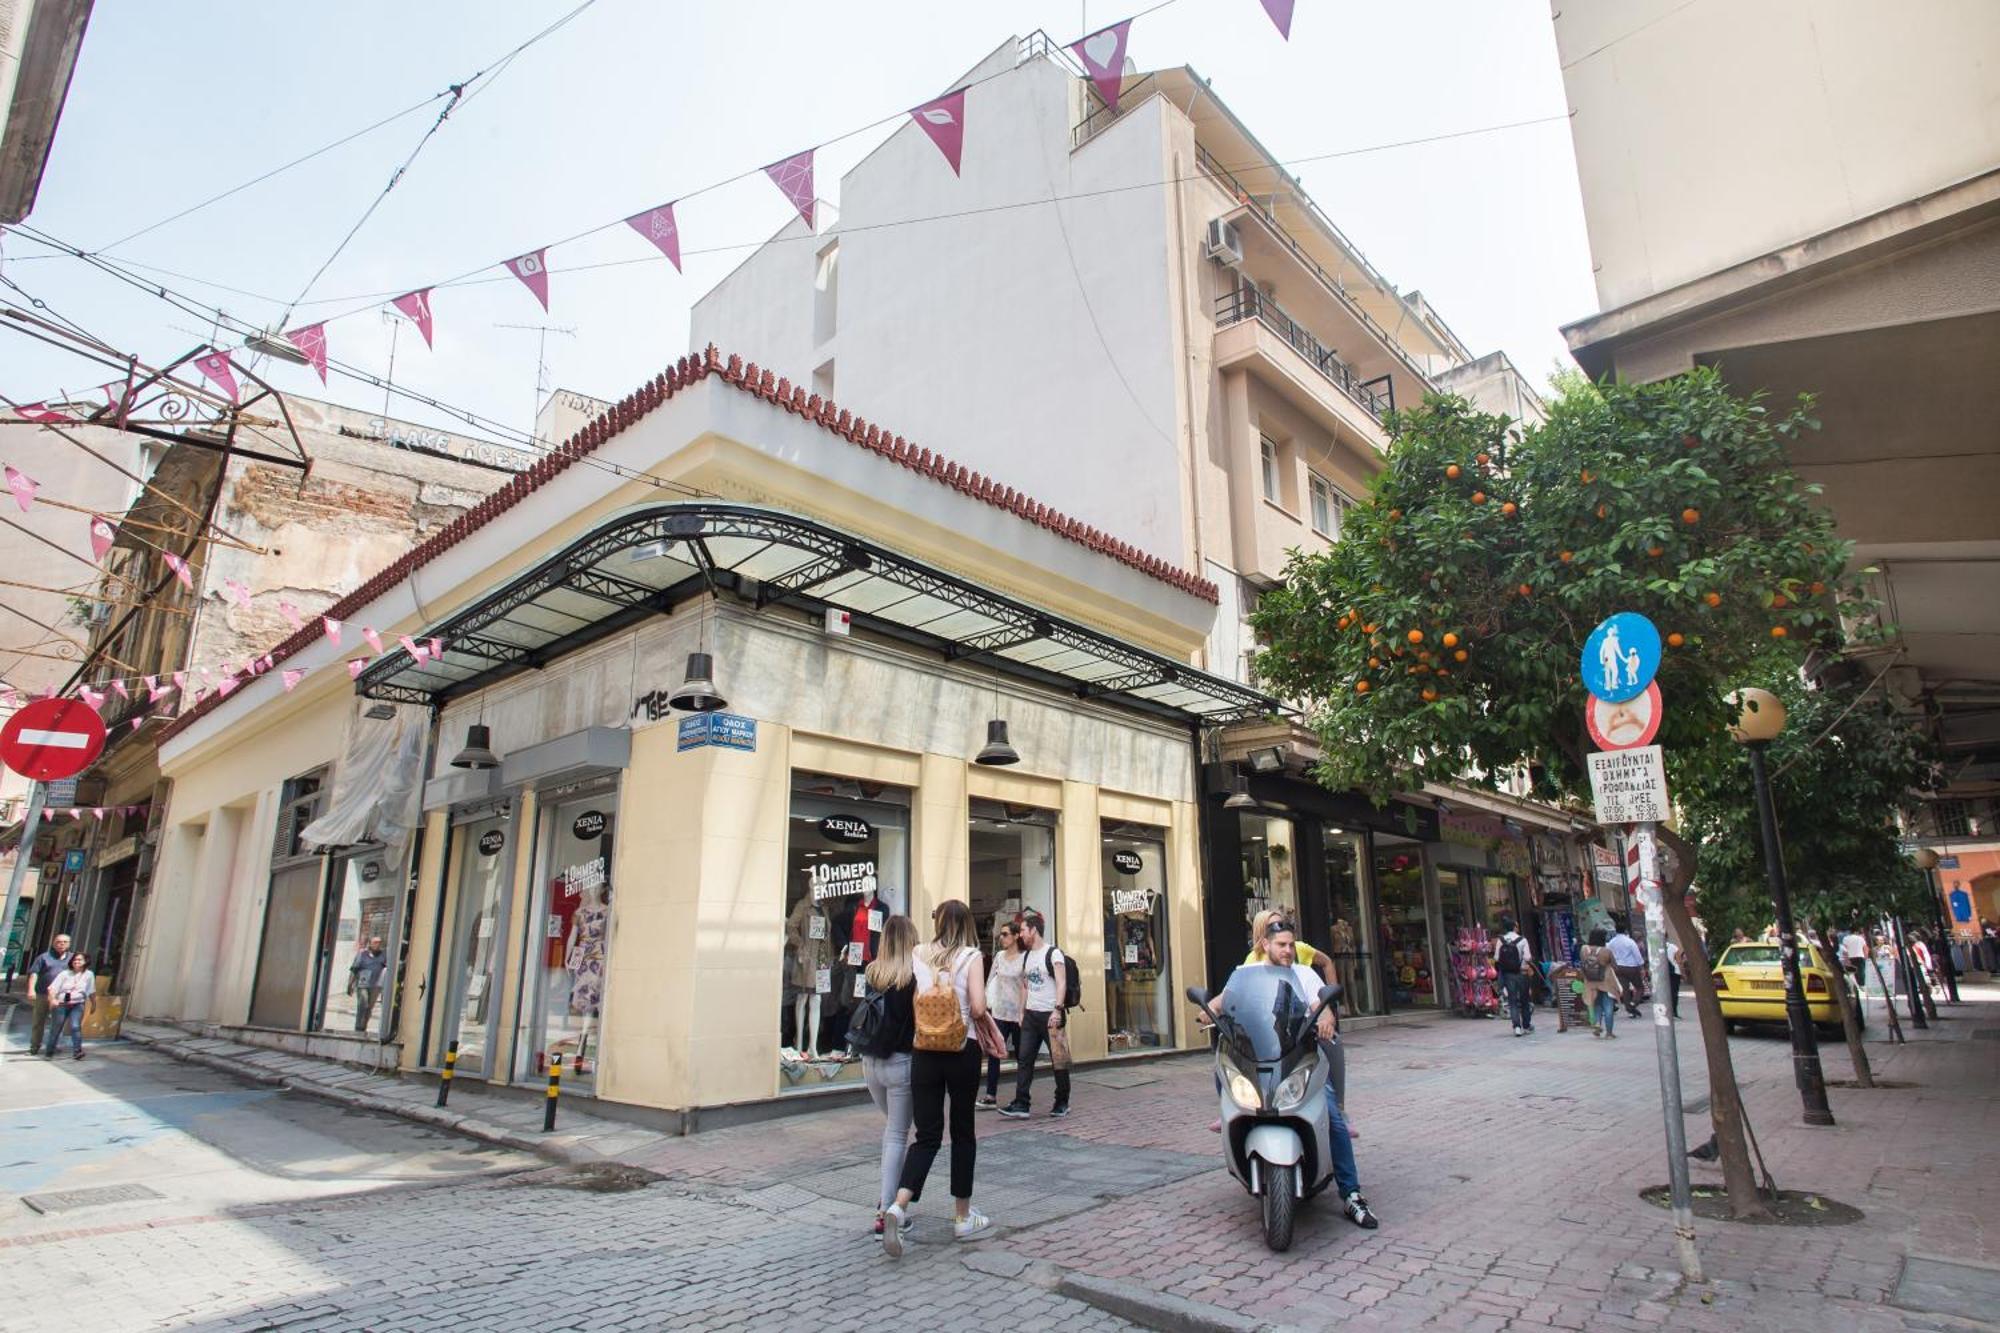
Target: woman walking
[
  {"x": 944, "y": 1068},
  {"x": 893, "y": 976},
  {"x": 1004, "y": 998},
  {"x": 72, "y": 990},
  {"x": 1601, "y": 986}
]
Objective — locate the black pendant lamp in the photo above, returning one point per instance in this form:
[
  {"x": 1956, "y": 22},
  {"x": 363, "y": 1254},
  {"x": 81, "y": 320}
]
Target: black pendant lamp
[
  {"x": 697, "y": 694},
  {"x": 478, "y": 752},
  {"x": 998, "y": 753},
  {"x": 1239, "y": 794}
]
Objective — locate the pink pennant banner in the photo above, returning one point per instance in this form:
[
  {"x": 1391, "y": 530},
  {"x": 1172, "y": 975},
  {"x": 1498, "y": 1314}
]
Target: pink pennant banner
[
  {"x": 138, "y": 722},
  {"x": 238, "y": 591},
  {"x": 1103, "y": 57},
  {"x": 92, "y": 697},
  {"x": 417, "y": 306},
  {"x": 39, "y": 412},
  {"x": 533, "y": 270},
  {"x": 657, "y": 225},
  {"x": 181, "y": 681},
  {"x": 292, "y": 679},
  {"x": 944, "y": 121},
  {"x": 311, "y": 342},
  {"x": 374, "y": 639},
  {"x": 180, "y": 568},
  {"x": 114, "y": 395},
  {"x": 23, "y": 486},
  {"x": 437, "y": 649},
  {"x": 216, "y": 368},
  {"x": 332, "y": 628},
  {"x": 355, "y": 666},
  {"x": 224, "y": 686},
  {"x": 102, "y": 535},
  {"x": 119, "y": 686},
  {"x": 794, "y": 179},
  {"x": 152, "y": 688},
  {"x": 291, "y": 615},
  {"x": 1281, "y": 14}
]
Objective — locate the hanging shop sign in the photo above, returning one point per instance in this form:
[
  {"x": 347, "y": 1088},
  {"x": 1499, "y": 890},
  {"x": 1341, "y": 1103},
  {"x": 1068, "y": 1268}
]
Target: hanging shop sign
[
  {"x": 729, "y": 731},
  {"x": 1127, "y": 862},
  {"x": 588, "y": 826},
  {"x": 72, "y": 860},
  {"x": 491, "y": 841},
  {"x": 371, "y": 872},
  {"x": 845, "y": 828},
  {"x": 1473, "y": 828},
  {"x": 1629, "y": 786},
  {"x": 841, "y": 881}
]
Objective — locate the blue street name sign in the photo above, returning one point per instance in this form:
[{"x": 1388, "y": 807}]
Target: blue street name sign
[
  {"x": 731, "y": 731},
  {"x": 1621, "y": 657}
]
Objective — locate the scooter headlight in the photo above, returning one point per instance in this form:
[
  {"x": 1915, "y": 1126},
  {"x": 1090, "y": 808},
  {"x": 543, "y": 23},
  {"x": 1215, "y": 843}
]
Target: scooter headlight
[
  {"x": 1293, "y": 1090},
  {"x": 1244, "y": 1092}
]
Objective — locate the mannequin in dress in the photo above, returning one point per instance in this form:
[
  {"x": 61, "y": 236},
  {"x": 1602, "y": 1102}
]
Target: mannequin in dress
[
  {"x": 808, "y": 933},
  {"x": 583, "y": 959}
]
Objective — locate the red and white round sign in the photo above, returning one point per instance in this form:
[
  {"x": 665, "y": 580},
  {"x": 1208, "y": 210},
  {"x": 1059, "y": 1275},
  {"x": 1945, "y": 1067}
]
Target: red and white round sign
[
  {"x": 52, "y": 739},
  {"x": 1627, "y": 725}
]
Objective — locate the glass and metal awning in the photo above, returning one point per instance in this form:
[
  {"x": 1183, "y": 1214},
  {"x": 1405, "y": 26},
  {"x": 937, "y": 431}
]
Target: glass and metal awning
[{"x": 646, "y": 561}]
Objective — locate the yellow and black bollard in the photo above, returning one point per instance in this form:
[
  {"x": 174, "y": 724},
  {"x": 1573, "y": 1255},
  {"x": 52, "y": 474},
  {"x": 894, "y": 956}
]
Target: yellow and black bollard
[
  {"x": 555, "y": 1088},
  {"x": 444, "y": 1079}
]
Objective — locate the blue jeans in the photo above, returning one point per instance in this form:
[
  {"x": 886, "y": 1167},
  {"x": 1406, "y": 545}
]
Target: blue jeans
[
  {"x": 1346, "y": 1176},
  {"x": 65, "y": 1016},
  {"x": 1606, "y": 1006},
  {"x": 1519, "y": 1008}
]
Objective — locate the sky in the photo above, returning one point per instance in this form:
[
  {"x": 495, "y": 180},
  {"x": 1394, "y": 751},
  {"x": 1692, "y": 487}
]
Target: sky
[{"x": 633, "y": 103}]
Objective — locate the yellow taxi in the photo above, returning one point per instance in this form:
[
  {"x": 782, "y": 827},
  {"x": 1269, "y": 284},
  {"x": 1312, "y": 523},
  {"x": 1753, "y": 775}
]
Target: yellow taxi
[{"x": 1750, "y": 983}]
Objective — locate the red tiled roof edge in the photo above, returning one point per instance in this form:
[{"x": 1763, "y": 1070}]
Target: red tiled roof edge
[{"x": 685, "y": 372}]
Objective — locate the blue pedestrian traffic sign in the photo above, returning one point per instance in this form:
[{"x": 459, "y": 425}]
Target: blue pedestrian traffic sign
[{"x": 1621, "y": 657}]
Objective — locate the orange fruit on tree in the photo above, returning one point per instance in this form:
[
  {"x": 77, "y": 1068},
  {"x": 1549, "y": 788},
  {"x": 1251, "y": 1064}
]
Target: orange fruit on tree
[
  {"x": 1481, "y": 459},
  {"x": 1604, "y": 511},
  {"x": 1778, "y": 631},
  {"x": 1817, "y": 588},
  {"x": 1509, "y": 509},
  {"x": 1479, "y": 497},
  {"x": 1443, "y": 672},
  {"x": 1527, "y": 588},
  {"x": 1461, "y": 655},
  {"x": 1656, "y": 551},
  {"x": 1780, "y": 601},
  {"x": 1395, "y": 514},
  {"x": 1430, "y": 695},
  {"x": 1676, "y": 639},
  {"x": 1416, "y": 636},
  {"x": 1712, "y": 598},
  {"x": 1375, "y": 662},
  {"x": 1587, "y": 477},
  {"x": 1361, "y": 687},
  {"x": 1450, "y": 640},
  {"x": 1565, "y": 556},
  {"x": 1368, "y": 629},
  {"x": 1453, "y": 471},
  {"x": 1690, "y": 516},
  {"x": 1690, "y": 441}
]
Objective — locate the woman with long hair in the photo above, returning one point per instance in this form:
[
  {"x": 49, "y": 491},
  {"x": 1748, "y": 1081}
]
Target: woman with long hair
[
  {"x": 1004, "y": 999},
  {"x": 952, "y": 958},
  {"x": 893, "y": 976}
]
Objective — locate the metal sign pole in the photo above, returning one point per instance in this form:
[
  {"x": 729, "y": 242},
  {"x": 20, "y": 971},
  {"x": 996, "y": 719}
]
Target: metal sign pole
[
  {"x": 1666, "y": 1048},
  {"x": 31, "y": 823}
]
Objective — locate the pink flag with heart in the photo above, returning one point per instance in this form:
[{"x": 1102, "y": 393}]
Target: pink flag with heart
[
  {"x": 944, "y": 120},
  {"x": 240, "y": 592},
  {"x": 332, "y": 627},
  {"x": 794, "y": 178},
  {"x": 23, "y": 486},
  {"x": 102, "y": 535},
  {"x": 374, "y": 639},
  {"x": 657, "y": 225},
  {"x": 311, "y": 342},
  {"x": 215, "y": 367},
  {"x": 1281, "y": 14},
  {"x": 292, "y": 678},
  {"x": 1103, "y": 57},
  {"x": 180, "y": 568},
  {"x": 291, "y": 615},
  {"x": 417, "y": 306},
  {"x": 39, "y": 412},
  {"x": 355, "y": 666},
  {"x": 533, "y": 270}
]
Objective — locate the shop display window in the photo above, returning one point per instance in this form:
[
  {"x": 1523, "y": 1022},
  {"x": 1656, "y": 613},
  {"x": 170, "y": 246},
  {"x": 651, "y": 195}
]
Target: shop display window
[
  {"x": 363, "y": 901},
  {"x": 1454, "y": 915},
  {"x": 1138, "y": 986},
  {"x": 569, "y": 932},
  {"x": 1270, "y": 870},
  {"x": 1011, "y": 866},
  {"x": 1354, "y": 965},
  {"x": 847, "y": 871},
  {"x": 1497, "y": 899},
  {"x": 485, "y": 856},
  {"x": 1410, "y": 970}
]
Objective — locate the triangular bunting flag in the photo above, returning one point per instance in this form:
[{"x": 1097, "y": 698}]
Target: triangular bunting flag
[
  {"x": 657, "y": 225},
  {"x": 409, "y": 645},
  {"x": 292, "y": 678},
  {"x": 216, "y": 368},
  {"x": 92, "y": 697},
  {"x": 138, "y": 722},
  {"x": 311, "y": 342},
  {"x": 1103, "y": 57},
  {"x": 291, "y": 615},
  {"x": 944, "y": 121},
  {"x": 417, "y": 305},
  {"x": 1281, "y": 14},
  {"x": 152, "y": 688},
  {"x": 332, "y": 627},
  {"x": 794, "y": 178},
  {"x": 532, "y": 269},
  {"x": 39, "y": 412},
  {"x": 374, "y": 639},
  {"x": 23, "y": 486},
  {"x": 355, "y": 666},
  {"x": 181, "y": 681},
  {"x": 180, "y": 568},
  {"x": 119, "y": 686},
  {"x": 102, "y": 535},
  {"x": 224, "y": 686},
  {"x": 437, "y": 649}
]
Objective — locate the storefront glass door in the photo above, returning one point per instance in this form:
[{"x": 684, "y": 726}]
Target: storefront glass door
[
  {"x": 1411, "y": 969},
  {"x": 1349, "y": 910},
  {"x": 478, "y": 938},
  {"x": 362, "y": 911},
  {"x": 1011, "y": 866},
  {"x": 1137, "y": 982},
  {"x": 569, "y": 934}
]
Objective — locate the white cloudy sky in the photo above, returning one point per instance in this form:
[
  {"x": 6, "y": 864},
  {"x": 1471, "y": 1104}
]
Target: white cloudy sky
[{"x": 634, "y": 103}]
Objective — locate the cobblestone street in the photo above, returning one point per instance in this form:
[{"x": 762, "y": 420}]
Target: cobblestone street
[{"x": 1506, "y": 1172}]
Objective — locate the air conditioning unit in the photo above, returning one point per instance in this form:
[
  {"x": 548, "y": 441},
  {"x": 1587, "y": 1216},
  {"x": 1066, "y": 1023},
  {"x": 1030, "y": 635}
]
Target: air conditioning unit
[{"x": 1224, "y": 245}]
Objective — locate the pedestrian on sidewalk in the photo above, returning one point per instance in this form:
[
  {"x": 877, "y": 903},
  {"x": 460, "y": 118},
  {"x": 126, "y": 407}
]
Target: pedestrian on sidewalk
[
  {"x": 885, "y": 1063},
  {"x": 1674, "y": 975},
  {"x": 1631, "y": 963},
  {"x": 49, "y": 964},
  {"x": 1854, "y": 957},
  {"x": 364, "y": 980},
  {"x": 1044, "y": 987},
  {"x": 71, "y": 995},
  {"x": 1004, "y": 1002},
  {"x": 1602, "y": 987},
  {"x": 1512, "y": 958},
  {"x": 939, "y": 1074}
]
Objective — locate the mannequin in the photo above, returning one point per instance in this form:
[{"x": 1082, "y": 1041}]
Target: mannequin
[
  {"x": 866, "y": 927},
  {"x": 1343, "y": 956},
  {"x": 583, "y": 958},
  {"x": 808, "y": 934}
]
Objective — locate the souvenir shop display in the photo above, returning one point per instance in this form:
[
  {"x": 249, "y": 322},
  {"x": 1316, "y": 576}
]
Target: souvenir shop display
[{"x": 1476, "y": 981}]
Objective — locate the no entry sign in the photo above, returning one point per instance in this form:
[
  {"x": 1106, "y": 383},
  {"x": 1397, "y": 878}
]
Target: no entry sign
[{"x": 51, "y": 739}]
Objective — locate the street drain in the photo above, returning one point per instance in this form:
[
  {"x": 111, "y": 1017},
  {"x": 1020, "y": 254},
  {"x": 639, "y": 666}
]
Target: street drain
[{"x": 68, "y": 1201}]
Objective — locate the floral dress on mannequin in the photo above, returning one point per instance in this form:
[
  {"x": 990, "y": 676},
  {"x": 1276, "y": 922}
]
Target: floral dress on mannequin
[{"x": 585, "y": 958}]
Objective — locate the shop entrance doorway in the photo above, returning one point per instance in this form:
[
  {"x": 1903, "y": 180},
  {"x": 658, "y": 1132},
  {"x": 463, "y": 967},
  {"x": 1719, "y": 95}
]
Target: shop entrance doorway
[
  {"x": 1412, "y": 972},
  {"x": 485, "y": 855}
]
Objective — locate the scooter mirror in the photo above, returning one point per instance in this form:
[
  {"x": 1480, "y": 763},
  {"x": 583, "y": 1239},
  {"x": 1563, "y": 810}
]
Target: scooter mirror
[{"x": 1197, "y": 996}]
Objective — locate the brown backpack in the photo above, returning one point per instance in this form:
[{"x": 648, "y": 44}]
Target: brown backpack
[{"x": 940, "y": 1024}]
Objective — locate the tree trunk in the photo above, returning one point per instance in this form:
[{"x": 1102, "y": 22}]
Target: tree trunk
[
  {"x": 1864, "y": 1076},
  {"x": 1888, "y": 1001},
  {"x": 1725, "y": 1103}
]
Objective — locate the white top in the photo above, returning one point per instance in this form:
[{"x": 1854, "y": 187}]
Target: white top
[
  {"x": 72, "y": 987},
  {"x": 961, "y": 979},
  {"x": 1038, "y": 979},
  {"x": 1305, "y": 981},
  {"x": 1852, "y": 945},
  {"x": 1520, "y": 942},
  {"x": 1003, "y": 987},
  {"x": 1625, "y": 951}
]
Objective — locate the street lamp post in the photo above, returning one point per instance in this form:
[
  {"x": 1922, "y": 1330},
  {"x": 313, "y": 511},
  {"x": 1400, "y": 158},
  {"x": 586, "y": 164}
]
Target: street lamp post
[
  {"x": 1760, "y": 718},
  {"x": 1927, "y": 860}
]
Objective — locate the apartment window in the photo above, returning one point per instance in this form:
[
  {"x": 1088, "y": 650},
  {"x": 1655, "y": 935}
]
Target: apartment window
[
  {"x": 1270, "y": 456},
  {"x": 826, "y": 293},
  {"x": 1329, "y": 507},
  {"x": 1951, "y": 819}
]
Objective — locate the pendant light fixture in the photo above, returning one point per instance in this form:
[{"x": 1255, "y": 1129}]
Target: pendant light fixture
[
  {"x": 1239, "y": 794},
  {"x": 478, "y": 752},
  {"x": 697, "y": 692},
  {"x": 998, "y": 752}
]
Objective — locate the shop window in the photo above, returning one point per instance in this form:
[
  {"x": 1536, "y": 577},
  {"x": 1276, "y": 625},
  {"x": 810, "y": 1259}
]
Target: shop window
[
  {"x": 1011, "y": 866},
  {"x": 569, "y": 932},
  {"x": 1354, "y": 965},
  {"x": 1270, "y": 871},
  {"x": 364, "y": 893},
  {"x": 1138, "y": 986},
  {"x": 1409, "y": 964},
  {"x": 847, "y": 871}
]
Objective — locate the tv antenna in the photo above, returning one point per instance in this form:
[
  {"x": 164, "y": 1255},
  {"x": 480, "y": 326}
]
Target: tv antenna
[{"x": 541, "y": 366}]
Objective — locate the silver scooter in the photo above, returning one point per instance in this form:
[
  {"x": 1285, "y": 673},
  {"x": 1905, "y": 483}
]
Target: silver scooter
[{"x": 1271, "y": 1073}]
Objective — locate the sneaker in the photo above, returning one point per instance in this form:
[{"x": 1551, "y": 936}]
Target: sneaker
[
  {"x": 1356, "y": 1209},
  {"x": 985, "y": 1104},
  {"x": 1058, "y": 1111},
  {"x": 892, "y": 1236},
  {"x": 907, "y": 1224},
  {"x": 1015, "y": 1110},
  {"x": 1517, "y": 1030},
  {"x": 972, "y": 1226}
]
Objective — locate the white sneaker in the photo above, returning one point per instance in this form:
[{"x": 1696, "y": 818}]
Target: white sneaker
[
  {"x": 893, "y": 1223},
  {"x": 1517, "y": 1031},
  {"x": 972, "y": 1226}
]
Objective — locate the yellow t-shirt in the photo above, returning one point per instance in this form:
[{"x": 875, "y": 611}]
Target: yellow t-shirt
[{"x": 1306, "y": 953}]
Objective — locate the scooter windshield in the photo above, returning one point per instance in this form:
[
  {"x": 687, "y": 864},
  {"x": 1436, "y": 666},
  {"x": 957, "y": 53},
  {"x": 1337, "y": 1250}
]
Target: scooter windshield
[{"x": 1264, "y": 1010}]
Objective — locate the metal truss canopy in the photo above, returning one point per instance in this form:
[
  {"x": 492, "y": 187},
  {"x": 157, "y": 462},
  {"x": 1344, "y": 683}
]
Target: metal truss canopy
[{"x": 646, "y": 561}]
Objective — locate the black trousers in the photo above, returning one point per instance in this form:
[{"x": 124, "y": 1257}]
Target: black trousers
[
  {"x": 935, "y": 1079},
  {"x": 1519, "y": 1009},
  {"x": 1633, "y": 980},
  {"x": 1034, "y": 1036},
  {"x": 1012, "y": 1032}
]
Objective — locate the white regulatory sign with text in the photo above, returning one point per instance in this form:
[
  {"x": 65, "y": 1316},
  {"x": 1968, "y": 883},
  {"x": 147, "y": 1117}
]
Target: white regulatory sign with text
[{"x": 1629, "y": 786}]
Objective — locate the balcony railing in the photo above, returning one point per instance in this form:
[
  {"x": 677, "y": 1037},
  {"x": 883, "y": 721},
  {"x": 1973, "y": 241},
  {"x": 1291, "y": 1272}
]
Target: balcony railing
[
  {"x": 1377, "y": 396},
  {"x": 1103, "y": 116}
]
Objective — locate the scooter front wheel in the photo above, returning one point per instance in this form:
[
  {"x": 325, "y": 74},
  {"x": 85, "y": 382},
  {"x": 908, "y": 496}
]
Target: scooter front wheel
[{"x": 1281, "y": 1197}]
